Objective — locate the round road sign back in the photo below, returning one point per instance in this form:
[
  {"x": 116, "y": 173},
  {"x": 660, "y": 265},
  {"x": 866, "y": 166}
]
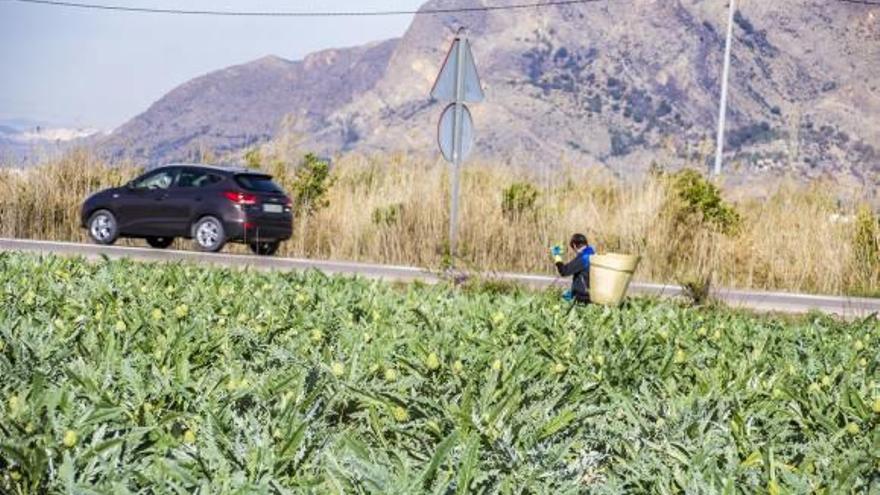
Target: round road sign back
[{"x": 446, "y": 130}]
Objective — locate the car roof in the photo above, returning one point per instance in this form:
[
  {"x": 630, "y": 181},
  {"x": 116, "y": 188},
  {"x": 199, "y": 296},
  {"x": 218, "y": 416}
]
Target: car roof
[{"x": 229, "y": 169}]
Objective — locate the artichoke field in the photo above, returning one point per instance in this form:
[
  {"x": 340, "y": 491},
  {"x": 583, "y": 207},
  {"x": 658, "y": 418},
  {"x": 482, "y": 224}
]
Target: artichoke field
[{"x": 122, "y": 377}]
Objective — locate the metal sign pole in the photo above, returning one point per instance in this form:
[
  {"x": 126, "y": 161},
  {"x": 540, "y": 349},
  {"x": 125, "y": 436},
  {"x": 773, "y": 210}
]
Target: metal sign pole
[
  {"x": 722, "y": 112},
  {"x": 457, "y": 83},
  {"x": 456, "y": 153}
]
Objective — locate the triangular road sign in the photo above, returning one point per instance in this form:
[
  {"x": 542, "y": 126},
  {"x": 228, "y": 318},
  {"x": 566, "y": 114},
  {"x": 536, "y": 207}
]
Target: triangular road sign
[{"x": 445, "y": 86}]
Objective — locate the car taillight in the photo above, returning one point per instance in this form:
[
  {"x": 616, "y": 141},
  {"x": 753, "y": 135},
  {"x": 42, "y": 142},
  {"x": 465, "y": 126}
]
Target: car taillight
[
  {"x": 288, "y": 202},
  {"x": 241, "y": 198}
]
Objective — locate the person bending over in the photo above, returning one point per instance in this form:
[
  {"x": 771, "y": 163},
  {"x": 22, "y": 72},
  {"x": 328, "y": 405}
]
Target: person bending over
[{"x": 578, "y": 268}]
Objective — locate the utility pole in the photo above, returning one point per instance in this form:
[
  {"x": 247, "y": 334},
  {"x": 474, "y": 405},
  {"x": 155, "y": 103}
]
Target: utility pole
[{"x": 722, "y": 111}]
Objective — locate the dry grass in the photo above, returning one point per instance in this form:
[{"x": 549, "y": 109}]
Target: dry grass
[{"x": 789, "y": 241}]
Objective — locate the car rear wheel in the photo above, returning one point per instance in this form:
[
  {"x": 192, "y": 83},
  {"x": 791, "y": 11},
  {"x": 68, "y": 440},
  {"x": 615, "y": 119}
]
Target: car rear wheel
[
  {"x": 265, "y": 248},
  {"x": 209, "y": 234},
  {"x": 103, "y": 228},
  {"x": 160, "y": 242}
]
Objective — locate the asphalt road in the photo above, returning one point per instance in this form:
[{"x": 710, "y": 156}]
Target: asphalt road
[{"x": 847, "y": 307}]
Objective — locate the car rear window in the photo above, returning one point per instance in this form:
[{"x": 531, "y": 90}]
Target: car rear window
[
  {"x": 258, "y": 183},
  {"x": 197, "y": 178}
]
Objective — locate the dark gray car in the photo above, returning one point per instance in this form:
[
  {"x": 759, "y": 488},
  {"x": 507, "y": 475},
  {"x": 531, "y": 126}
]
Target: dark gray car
[{"x": 211, "y": 205}]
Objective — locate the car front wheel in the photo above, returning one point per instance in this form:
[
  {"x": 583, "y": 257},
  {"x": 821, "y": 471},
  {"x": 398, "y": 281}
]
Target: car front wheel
[
  {"x": 265, "y": 248},
  {"x": 209, "y": 234},
  {"x": 160, "y": 242},
  {"x": 103, "y": 228}
]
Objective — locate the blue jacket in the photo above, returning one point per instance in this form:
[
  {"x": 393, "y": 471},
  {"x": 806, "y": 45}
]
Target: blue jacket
[{"x": 579, "y": 269}]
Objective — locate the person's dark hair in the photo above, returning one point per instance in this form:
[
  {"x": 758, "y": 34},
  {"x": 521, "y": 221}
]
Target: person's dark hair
[{"x": 578, "y": 241}]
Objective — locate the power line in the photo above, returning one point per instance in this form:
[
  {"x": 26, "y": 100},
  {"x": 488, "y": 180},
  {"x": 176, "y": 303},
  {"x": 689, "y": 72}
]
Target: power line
[{"x": 376, "y": 13}]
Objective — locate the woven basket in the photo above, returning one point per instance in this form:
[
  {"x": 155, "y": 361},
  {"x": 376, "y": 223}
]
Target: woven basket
[{"x": 610, "y": 275}]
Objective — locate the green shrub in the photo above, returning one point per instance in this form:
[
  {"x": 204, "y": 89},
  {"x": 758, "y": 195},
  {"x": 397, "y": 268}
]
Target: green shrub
[
  {"x": 387, "y": 215},
  {"x": 866, "y": 246},
  {"x": 698, "y": 200},
  {"x": 310, "y": 185},
  {"x": 518, "y": 199},
  {"x": 867, "y": 233},
  {"x": 253, "y": 158},
  {"x": 697, "y": 211}
]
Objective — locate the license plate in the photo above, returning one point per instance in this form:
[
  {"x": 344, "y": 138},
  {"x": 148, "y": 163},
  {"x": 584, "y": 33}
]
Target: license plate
[{"x": 273, "y": 208}]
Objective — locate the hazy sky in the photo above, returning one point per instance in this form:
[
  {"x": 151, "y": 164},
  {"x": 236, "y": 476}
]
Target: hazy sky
[{"x": 95, "y": 68}]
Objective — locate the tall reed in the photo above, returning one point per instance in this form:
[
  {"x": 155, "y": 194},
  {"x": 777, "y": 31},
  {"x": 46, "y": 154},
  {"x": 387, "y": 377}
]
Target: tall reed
[{"x": 394, "y": 209}]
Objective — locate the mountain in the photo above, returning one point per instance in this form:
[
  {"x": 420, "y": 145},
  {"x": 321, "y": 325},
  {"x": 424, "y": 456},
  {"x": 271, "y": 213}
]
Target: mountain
[
  {"x": 24, "y": 141},
  {"x": 236, "y": 107},
  {"x": 615, "y": 84}
]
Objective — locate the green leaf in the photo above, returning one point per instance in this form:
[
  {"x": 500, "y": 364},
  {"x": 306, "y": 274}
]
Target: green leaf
[
  {"x": 439, "y": 456},
  {"x": 467, "y": 467},
  {"x": 557, "y": 423}
]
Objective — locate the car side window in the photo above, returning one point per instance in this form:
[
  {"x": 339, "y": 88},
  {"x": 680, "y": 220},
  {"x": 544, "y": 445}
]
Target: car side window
[{"x": 157, "y": 180}]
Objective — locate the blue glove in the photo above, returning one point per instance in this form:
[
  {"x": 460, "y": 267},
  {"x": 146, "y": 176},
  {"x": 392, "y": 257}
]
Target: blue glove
[
  {"x": 567, "y": 296},
  {"x": 557, "y": 251}
]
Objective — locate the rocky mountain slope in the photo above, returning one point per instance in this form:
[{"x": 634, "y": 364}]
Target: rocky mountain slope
[
  {"x": 239, "y": 106},
  {"x": 616, "y": 84}
]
